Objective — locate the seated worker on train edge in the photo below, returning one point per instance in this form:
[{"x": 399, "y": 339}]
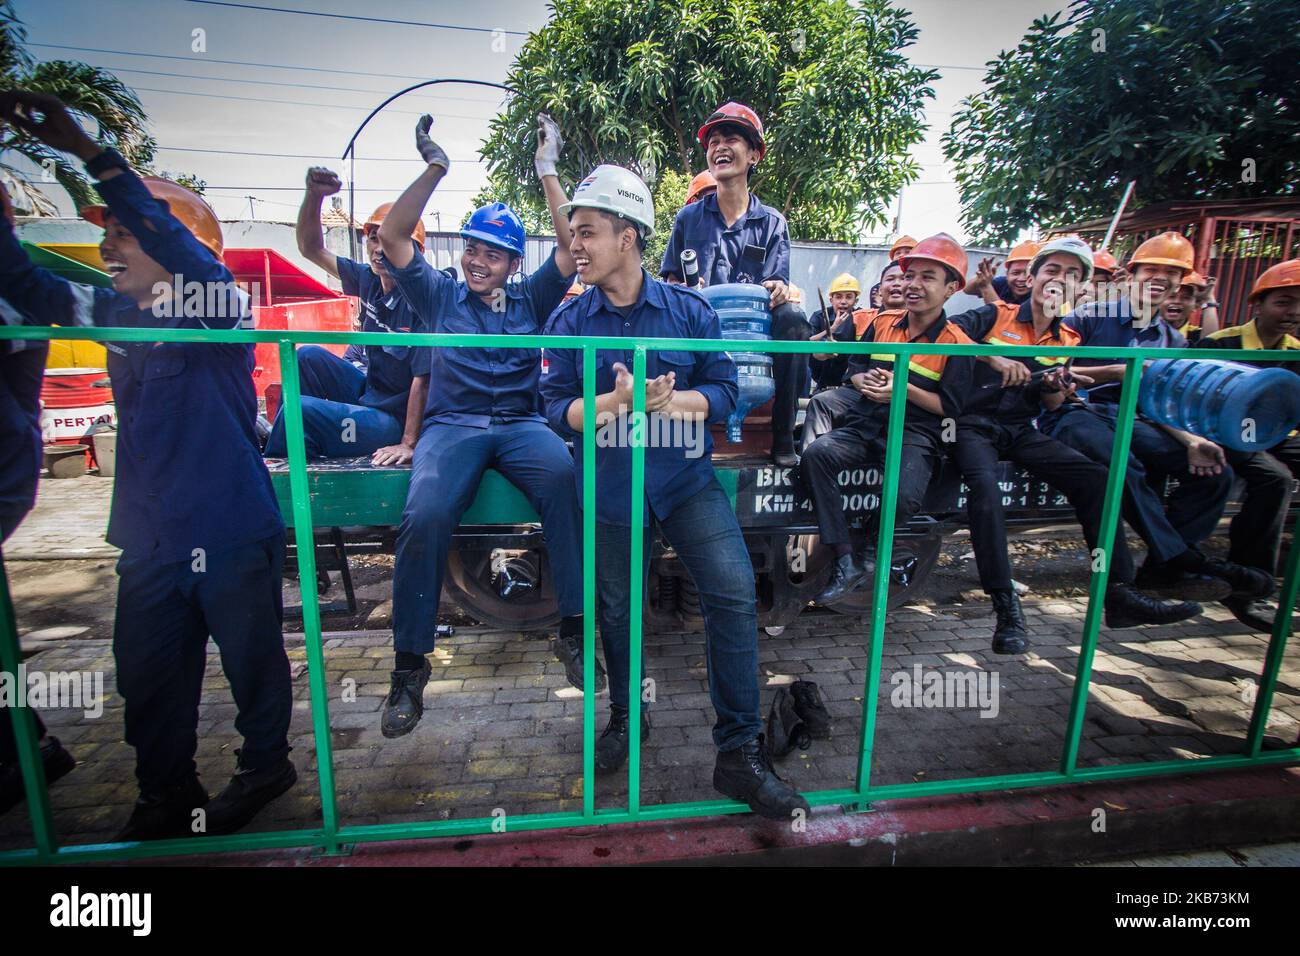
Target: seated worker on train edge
[
  {"x": 1192, "y": 309},
  {"x": 827, "y": 408},
  {"x": 997, "y": 423},
  {"x": 481, "y": 413},
  {"x": 738, "y": 239},
  {"x": 1256, "y": 533},
  {"x": 1011, "y": 288},
  {"x": 193, "y": 509},
  {"x": 612, "y": 215},
  {"x": 348, "y": 412},
  {"x": 934, "y": 271},
  {"x": 1173, "y": 564}
]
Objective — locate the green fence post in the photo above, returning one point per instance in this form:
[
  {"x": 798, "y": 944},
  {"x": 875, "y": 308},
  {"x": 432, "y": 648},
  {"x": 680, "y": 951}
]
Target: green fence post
[
  {"x": 1110, "y": 516},
  {"x": 305, "y": 536},
  {"x": 638, "y": 433},
  {"x": 589, "y": 581},
  {"x": 1276, "y": 648},
  {"x": 24, "y": 730},
  {"x": 884, "y": 561}
]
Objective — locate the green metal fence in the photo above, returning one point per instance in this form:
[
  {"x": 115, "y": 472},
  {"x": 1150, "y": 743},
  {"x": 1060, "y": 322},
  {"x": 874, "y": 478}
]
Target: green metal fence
[{"x": 332, "y": 838}]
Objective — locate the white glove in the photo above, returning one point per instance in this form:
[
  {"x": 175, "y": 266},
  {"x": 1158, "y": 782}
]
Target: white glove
[
  {"x": 549, "y": 144},
  {"x": 430, "y": 151}
]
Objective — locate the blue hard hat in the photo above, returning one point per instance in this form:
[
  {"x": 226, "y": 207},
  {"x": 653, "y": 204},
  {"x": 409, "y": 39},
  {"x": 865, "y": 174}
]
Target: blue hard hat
[{"x": 497, "y": 225}]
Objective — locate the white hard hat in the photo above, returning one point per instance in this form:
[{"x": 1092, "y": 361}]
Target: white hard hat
[
  {"x": 617, "y": 190},
  {"x": 1070, "y": 246}
]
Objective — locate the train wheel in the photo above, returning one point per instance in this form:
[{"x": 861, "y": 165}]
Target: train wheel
[{"x": 508, "y": 588}]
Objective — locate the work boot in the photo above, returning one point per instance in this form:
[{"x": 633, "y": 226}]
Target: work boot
[
  {"x": 849, "y": 572},
  {"x": 1181, "y": 582},
  {"x": 568, "y": 649},
  {"x": 405, "y": 704},
  {"x": 1255, "y": 614},
  {"x": 1126, "y": 606},
  {"x": 1247, "y": 582},
  {"x": 54, "y": 758},
  {"x": 784, "y": 457},
  {"x": 808, "y": 705},
  {"x": 1010, "y": 635},
  {"x": 248, "y": 791},
  {"x": 168, "y": 814},
  {"x": 746, "y": 774},
  {"x": 612, "y": 747},
  {"x": 785, "y": 728}
]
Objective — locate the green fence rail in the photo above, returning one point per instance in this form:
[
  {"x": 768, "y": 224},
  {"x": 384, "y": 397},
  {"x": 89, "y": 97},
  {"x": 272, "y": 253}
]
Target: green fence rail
[{"x": 332, "y": 838}]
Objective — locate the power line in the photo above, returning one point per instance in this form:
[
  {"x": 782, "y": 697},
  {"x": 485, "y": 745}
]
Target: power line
[
  {"x": 350, "y": 16},
  {"x": 263, "y": 99},
  {"x": 359, "y": 189},
  {"x": 360, "y": 159}
]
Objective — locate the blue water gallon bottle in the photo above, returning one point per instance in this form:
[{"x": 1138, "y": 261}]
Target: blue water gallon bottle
[
  {"x": 1232, "y": 404},
  {"x": 743, "y": 309}
]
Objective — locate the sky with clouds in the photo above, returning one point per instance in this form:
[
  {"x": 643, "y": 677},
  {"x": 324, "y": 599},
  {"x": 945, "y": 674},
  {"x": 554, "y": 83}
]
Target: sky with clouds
[{"x": 275, "y": 92}]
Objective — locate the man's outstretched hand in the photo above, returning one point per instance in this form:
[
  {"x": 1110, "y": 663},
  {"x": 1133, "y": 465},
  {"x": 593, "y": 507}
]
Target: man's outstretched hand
[
  {"x": 549, "y": 143},
  {"x": 430, "y": 151},
  {"x": 323, "y": 182},
  {"x": 45, "y": 118}
]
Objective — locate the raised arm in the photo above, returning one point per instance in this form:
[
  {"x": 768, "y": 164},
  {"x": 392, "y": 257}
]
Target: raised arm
[
  {"x": 321, "y": 182},
  {"x": 549, "y": 144},
  {"x": 395, "y": 231}
]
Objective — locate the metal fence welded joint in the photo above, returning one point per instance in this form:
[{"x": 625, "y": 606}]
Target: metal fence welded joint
[{"x": 332, "y": 837}]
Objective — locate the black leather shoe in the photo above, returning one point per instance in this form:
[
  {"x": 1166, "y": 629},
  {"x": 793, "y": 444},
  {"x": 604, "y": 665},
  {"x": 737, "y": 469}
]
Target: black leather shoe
[
  {"x": 248, "y": 791},
  {"x": 811, "y": 710},
  {"x": 612, "y": 747},
  {"x": 1010, "y": 634},
  {"x": 166, "y": 815},
  {"x": 1255, "y": 614},
  {"x": 1126, "y": 606},
  {"x": 849, "y": 572},
  {"x": 746, "y": 774},
  {"x": 785, "y": 458},
  {"x": 1173, "y": 582},
  {"x": 57, "y": 762},
  {"x": 405, "y": 703},
  {"x": 568, "y": 650},
  {"x": 1246, "y": 582},
  {"x": 785, "y": 728}
]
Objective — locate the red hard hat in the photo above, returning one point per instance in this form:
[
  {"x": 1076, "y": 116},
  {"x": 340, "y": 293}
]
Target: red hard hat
[
  {"x": 941, "y": 248},
  {"x": 1284, "y": 275},
  {"x": 737, "y": 114},
  {"x": 1103, "y": 261},
  {"x": 701, "y": 182}
]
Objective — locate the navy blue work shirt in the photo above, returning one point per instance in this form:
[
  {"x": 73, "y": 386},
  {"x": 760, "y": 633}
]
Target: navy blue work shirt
[
  {"x": 474, "y": 386},
  {"x": 1002, "y": 286},
  {"x": 190, "y": 473},
  {"x": 388, "y": 367},
  {"x": 673, "y": 472},
  {"x": 1110, "y": 323},
  {"x": 719, "y": 247}
]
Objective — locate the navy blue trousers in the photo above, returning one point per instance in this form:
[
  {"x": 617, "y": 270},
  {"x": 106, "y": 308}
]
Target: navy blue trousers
[
  {"x": 331, "y": 396},
  {"x": 1154, "y": 455},
  {"x": 165, "y": 614},
  {"x": 445, "y": 473},
  {"x": 704, "y": 533},
  {"x": 20, "y": 433}
]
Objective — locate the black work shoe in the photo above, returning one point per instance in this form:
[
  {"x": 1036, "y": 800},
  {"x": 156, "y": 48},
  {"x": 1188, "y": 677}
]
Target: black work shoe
[
  {"x": 849, "y": 572},
  {"x": 405, "y": 703},
  {"x": 1173, "y": 583},
  {"x": 611, "y": 748},
  {"x": 248, "y": 791},
  {"x": 1126, "y": 606},
  {"x": 808, "y": 705},
  {"x": 785, "y": 458},
  {"x": 1255, "y": 614},
  {"x": 568, "y": 650},
  {"x": 1246, "y": 581},
  {"x": 746, "y": 774},
  {"x": 166, "y": 815},
  {"x": 785, "y": 728},
  {"x": 1010, "y": 634},
  {"x": 57, "y": 762}
]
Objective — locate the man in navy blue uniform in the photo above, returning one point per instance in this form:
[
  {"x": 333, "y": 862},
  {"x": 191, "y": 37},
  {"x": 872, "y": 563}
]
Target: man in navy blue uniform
[
  {"x": 612, "y": 216},
  {"x": 736, "y": 238},
  {"x": 349, "y": 411},
  {"x": 482, "y": 412},
  {"x": 193, "y": 510},
  {"x": 1174, "y": 565}
]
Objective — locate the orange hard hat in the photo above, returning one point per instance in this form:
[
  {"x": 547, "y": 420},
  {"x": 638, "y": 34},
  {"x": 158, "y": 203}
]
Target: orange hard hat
[
  {"x": 1024, "y": 252},
  {"x": 901, "y": 247},
  {"x": 1103, "y": 261},
  {"x": 1166, "y": 249},
  {"x": 576, "y": 289},
  {"x": 1195, "y": 278},
  {"x": 377, "y": 217},
  {"x": 1284, "y": 275},
  {"x": 701, "y": 182},
  {"x": 941, "y": 248},
  {"x": 185, "y": 204},
  {"x": 737, "y": 114}
]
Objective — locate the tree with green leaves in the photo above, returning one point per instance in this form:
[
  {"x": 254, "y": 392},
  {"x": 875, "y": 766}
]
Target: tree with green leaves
[
  {"x": 1194, "y": 99},
  {"x": 630, "y": 84}
]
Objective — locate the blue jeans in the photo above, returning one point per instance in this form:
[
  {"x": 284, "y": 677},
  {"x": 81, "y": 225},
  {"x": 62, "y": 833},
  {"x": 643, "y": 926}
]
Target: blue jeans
[
  {"x": 704, "y": 533},
  {"x": 1154, "y": 455},
  {"x": 445, "y": 473},
  {"x": 331, "y": 396}
]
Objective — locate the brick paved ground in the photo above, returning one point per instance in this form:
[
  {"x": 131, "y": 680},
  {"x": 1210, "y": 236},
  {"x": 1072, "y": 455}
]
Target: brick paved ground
[{"x": 503, "y": 730}]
